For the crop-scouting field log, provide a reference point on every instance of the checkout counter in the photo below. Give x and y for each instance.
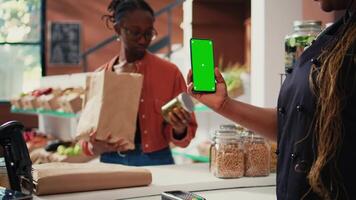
(189, 177)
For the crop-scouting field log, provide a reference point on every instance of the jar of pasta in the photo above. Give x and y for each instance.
(257, 155)
(227, 155)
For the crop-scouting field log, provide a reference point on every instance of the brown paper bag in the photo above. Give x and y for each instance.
(78, 177)
(111, 106)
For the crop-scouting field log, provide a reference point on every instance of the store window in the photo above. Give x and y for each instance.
(20, 46)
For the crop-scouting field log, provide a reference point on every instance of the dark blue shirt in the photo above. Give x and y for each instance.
(296, 109)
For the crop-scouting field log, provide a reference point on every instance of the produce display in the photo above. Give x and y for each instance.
(34, 140)
(50, 99)
(43, 149)
(53, 145)
(69, 151)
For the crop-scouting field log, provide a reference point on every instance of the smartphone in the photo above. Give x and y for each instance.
(202, 62)
(180, 195)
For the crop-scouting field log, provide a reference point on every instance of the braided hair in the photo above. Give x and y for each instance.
(119, 8)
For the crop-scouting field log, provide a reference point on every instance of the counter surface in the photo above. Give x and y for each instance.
(253, 193)
(190, 177)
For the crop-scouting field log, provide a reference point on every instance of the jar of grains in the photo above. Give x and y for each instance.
(257, 155)
(227, 155)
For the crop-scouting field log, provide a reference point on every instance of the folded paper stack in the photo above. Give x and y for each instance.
(79, 177)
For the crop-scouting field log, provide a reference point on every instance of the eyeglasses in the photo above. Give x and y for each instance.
(136, 35)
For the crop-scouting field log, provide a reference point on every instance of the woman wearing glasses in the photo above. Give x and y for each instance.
(133, 22)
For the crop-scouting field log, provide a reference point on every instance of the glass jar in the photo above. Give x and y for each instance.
(227, 155)
(303, 35)
(257, 155)
(273, 161)
(4, 180)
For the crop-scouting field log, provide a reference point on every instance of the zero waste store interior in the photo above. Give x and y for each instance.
(49, 48)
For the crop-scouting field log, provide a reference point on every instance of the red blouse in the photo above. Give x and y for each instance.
(162, 82)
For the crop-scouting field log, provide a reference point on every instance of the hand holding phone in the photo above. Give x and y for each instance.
(213, 100)
(202, 62)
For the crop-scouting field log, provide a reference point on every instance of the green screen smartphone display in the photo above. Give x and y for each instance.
(202, 58)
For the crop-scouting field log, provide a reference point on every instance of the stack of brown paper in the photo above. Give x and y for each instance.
(56, 178)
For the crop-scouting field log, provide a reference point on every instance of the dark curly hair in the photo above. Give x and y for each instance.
(119, 8)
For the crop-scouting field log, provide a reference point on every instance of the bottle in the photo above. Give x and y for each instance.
(304, 33)
(227, 155)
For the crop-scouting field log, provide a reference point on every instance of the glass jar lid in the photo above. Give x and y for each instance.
(226, 134)
(253, 137)
(302, 24)
(228, 127)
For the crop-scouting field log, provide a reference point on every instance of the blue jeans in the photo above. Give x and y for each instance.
(138, 158)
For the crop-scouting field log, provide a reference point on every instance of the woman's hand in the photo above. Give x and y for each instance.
(179, 119)
(98, 146)
(214, 100)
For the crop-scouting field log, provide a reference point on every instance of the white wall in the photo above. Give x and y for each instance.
(271, 20)
(187, 34)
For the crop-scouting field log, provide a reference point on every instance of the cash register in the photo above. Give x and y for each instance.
(17, 161)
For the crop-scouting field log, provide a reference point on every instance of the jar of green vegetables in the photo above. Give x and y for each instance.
(303, 35)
